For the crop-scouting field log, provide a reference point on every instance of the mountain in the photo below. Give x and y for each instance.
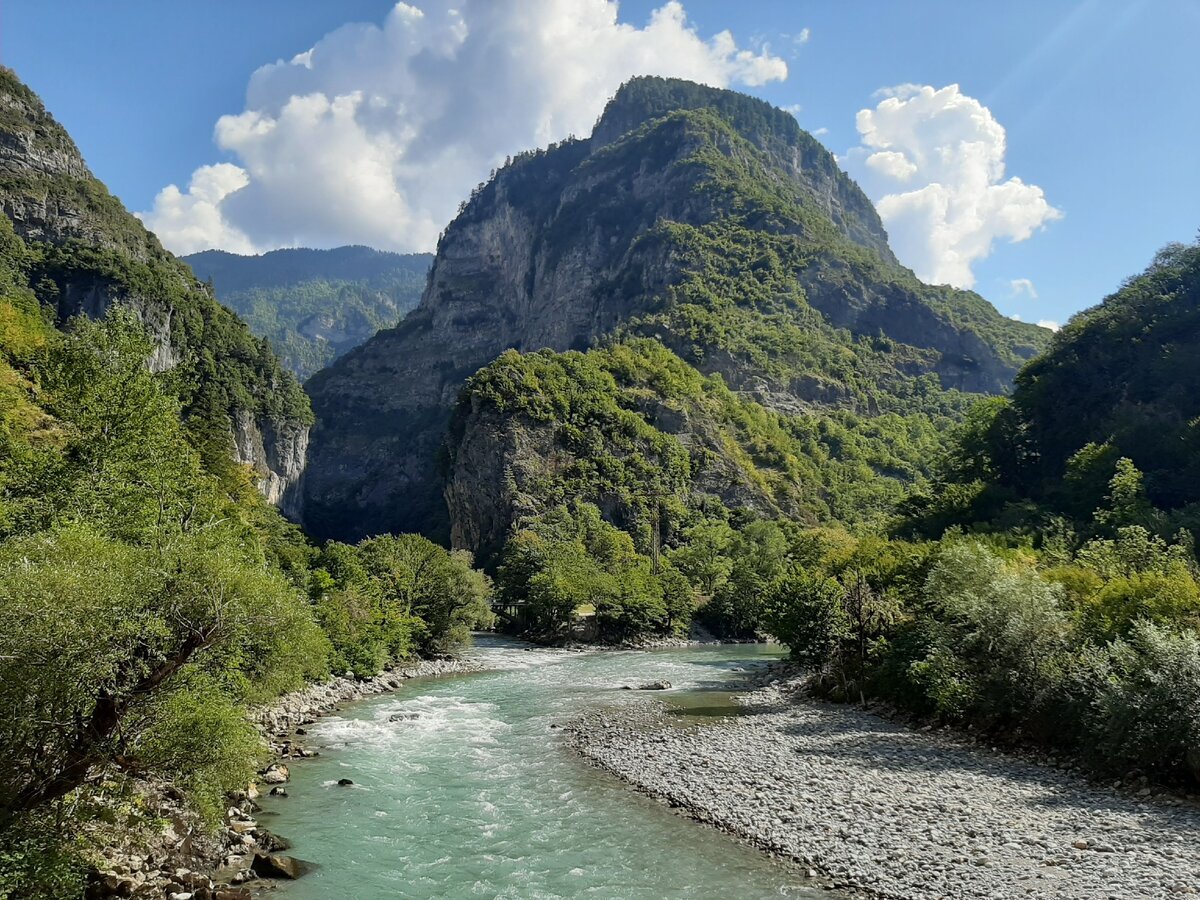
(707, 223)
(315, 305)
(81, 252)
(1120, 381)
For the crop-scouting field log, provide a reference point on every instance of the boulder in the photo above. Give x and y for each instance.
(655, 686)
(345, 782)
(275, 865)
(272, 843)
(276, 774)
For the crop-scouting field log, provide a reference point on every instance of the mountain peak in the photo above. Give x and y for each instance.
(769, 129)
(699, 218)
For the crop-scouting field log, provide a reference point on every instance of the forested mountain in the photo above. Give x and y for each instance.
(149, 593)
(81, 252)
(315, 305)
(747, 338)
(1119, 382)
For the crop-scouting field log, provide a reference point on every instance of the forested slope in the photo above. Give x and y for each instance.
(701, 219)
(315, 305)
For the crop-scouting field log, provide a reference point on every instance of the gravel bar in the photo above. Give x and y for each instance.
(892, 812)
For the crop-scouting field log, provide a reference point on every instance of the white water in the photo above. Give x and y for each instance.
(462, 789)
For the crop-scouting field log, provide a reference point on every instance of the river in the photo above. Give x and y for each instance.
(462, 789)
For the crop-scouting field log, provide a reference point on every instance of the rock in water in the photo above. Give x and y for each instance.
(272, 843)
(276, 774)
(275, 865)
(655, 686)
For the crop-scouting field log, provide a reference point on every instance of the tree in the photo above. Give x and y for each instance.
(439, 588)
(95, 635)
(704, 555)
(806, 612)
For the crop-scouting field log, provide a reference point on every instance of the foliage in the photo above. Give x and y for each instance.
(1100, 430)
(806, 613)
(393, 596)
(570, 560)
(1096, 654)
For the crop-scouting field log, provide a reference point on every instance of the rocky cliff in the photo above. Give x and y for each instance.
(701, 218)
(92, 254)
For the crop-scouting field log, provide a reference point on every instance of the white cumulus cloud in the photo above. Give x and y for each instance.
(1049, 323)
(376, 133)
(933, 162)
(193, 219)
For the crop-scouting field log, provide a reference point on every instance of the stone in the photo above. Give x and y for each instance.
(274, 865)
(655, 686)
(345, 782)
(278, 791)
(276, 774)
(271, 842)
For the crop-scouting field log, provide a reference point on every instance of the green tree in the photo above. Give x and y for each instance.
(806, 613)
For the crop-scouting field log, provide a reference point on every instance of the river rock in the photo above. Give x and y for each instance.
(655, 686)
(271, 842)
(276, 774)
(344, 782)
(275, 865)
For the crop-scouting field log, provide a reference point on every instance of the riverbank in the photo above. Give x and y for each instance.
(179, 857)
(461, 787)
(897, 813)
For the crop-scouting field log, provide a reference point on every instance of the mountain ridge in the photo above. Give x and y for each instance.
(681, 230)
(90, 254)
(315, 305)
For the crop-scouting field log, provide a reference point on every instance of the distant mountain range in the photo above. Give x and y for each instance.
(315, 305)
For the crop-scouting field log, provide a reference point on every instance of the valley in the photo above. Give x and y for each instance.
(388, 569)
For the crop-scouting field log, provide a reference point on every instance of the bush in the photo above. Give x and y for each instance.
(1147, 710)
(805, 612)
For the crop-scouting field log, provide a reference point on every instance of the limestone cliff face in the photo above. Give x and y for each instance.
(277, 450)
(498, 463)
(96, 255)
(567, 247)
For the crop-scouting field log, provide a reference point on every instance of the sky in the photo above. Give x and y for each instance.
(1037, 151)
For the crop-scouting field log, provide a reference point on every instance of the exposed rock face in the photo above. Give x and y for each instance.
(567, 246)
(97, 256)
(498, 461)
(277, 450)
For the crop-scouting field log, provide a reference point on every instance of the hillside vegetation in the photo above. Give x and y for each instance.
(706, 221)
(149, 593)
(313, 306)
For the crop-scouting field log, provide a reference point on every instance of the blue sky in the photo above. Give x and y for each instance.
(1097, 100)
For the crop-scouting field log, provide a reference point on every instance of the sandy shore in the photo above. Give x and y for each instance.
(898, 813)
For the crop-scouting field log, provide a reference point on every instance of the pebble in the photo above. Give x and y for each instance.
(899, 813)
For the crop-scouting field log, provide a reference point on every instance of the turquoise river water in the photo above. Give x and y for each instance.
(462, 789)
